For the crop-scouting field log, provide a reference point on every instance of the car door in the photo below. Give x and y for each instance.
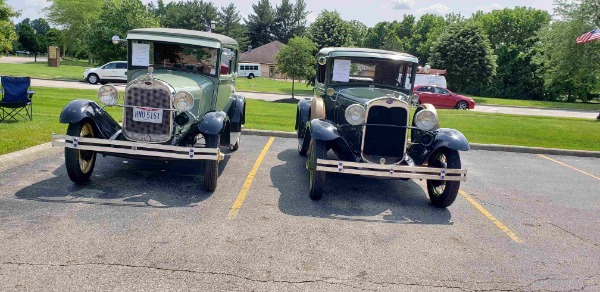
(121, 71)
(426, 94)
(109, 71)
(444, 97)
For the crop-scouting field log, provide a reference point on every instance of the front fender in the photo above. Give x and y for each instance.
(213, 123)
(302, 116)
(324, 130)
(80, 109)
(452, 139)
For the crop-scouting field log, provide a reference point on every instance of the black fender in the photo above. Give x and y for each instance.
(302, 116)
(237, 113)
(444, 138)
(80, 109)
(213, 123)
(324, 130)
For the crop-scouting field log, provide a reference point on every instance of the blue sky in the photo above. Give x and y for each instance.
(368, 12)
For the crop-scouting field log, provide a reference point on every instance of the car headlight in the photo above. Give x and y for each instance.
(108, 95)
(425, 120)
(355, 114)
(183, 101)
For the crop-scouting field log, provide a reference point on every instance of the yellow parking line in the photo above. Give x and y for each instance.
(571, 167)
(242, 195)
(491, 217)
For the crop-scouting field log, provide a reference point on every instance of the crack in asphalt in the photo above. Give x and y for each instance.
(571, 233)
(327, 280)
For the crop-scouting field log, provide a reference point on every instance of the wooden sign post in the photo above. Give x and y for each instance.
(54, 56)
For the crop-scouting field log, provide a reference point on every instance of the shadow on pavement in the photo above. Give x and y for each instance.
(128, 182)
(352, 197)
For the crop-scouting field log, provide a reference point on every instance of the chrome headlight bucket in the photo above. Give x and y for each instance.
(183, 101)
(355, 114)
(425, 120)
(108, 95)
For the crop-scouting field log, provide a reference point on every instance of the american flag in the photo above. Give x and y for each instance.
(589, 36)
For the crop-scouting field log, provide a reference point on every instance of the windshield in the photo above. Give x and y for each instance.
(175, 56)
(371, 71)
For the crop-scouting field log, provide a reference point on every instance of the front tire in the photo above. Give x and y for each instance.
(443, 193)
(93, 78)
(211, 167)
(80, 163)
(318, 150)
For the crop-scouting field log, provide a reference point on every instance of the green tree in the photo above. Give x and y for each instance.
(261, 24)
(116, 19)
(7, 31)
(77, 18)
(358, 32)
(464, 50)
(230, 25)
(569, 70)
(296, 59)
(426, 30)
(512, 33)
(283, 26)
(299, 15)
(194, 15)
(330, 30)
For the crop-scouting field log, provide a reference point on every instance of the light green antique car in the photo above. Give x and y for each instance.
(179, 103)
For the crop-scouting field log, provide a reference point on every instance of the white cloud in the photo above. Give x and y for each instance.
(489, 8)
(438, 9)
(310, 18)
(403, 4)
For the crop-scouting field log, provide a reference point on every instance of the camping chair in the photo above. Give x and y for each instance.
(16, 98)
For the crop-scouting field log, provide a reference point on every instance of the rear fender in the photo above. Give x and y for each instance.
(237, 113)
(302, 116)
(80, 109)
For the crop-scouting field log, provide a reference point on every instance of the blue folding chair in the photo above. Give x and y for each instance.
(16, 98)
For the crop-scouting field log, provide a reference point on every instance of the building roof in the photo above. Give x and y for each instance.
(264, 54)
(367, 53)
(183, 35)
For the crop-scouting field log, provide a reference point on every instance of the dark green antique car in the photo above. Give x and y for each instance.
(179, 103)
(361, 111)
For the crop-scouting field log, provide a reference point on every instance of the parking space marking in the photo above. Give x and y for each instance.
(571, 167)
(235, 208)
(491, 217)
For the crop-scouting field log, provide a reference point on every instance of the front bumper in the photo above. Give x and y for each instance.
(136, 148)
(392, 170)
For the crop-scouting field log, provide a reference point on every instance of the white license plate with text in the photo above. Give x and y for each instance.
(147, 114)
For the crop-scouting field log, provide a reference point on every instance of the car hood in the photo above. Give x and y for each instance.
(365, 94)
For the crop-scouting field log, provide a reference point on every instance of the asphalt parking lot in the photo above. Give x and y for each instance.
(523, 222)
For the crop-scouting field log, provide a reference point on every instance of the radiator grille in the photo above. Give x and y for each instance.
(381, 138)
(147, 94)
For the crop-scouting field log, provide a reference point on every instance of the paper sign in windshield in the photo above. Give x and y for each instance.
(140, 54)
(341, 70)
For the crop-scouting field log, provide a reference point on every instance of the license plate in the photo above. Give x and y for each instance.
(147, 114)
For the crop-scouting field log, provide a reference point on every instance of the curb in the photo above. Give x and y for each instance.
(474, 146)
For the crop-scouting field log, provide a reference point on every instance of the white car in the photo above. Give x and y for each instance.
(113, 71)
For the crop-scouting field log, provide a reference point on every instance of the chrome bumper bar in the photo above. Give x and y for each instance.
(391, 171)
(136, 148)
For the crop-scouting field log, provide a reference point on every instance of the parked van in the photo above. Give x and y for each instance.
(426, 79)
(249, 70)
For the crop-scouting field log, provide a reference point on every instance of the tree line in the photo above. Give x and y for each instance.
(522, 52)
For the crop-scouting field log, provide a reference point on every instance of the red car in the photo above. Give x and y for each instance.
(443, 98)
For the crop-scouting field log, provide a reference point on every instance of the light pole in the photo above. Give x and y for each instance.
(34, 45)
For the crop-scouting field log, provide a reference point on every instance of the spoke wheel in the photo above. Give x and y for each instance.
(317, 150)
(443, 193)
(80, 163)
(462, 105)
(211, 167)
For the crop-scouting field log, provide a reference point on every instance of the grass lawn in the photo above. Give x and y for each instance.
(565, 133)
(536, 103)
(272, 86)
(72, 70)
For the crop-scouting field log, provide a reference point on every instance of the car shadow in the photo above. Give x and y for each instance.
(128, 182)
(353, 197)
